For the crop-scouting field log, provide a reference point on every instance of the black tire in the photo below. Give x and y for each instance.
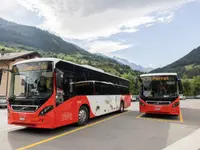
(121, 108)
(83, 116)
(148, 114)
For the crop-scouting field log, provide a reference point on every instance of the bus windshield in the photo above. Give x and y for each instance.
(32, 80)
(159, 86)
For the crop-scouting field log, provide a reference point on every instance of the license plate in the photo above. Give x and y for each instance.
(157, 108)
(21, 119)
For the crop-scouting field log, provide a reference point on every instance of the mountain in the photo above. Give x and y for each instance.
(188, 66)
(126, 62)
(132, 65)
(102, 55)
(15, 38)
(11, 32)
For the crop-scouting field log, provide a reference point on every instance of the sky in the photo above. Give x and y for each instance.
(147, 32)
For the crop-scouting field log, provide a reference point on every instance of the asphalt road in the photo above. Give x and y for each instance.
(130, 130)
(3, 122)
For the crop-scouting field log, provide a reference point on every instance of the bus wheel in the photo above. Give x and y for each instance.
(83, 115)
(121, 108)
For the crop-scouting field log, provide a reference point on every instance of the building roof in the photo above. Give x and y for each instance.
(158, 74)
(13, 56)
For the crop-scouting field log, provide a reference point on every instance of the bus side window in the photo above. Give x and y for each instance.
(98, 90)
(89, 89)
(124, 91)
(85, 89)
(112, 90)
(104, 89)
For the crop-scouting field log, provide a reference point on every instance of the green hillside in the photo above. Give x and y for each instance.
(11, 32)
(104, 63)
(15, 37)
(187, 66)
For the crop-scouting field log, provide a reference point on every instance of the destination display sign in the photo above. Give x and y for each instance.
(32, 66)
(158, 78)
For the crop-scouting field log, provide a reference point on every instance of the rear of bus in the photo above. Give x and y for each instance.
(159, 94)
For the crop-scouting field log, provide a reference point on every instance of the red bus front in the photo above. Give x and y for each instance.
(32, 95)
(160, 107)
(159, 95)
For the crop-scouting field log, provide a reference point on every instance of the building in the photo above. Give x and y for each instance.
(6, 62)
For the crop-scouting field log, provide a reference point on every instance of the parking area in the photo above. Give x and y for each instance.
(129, 130)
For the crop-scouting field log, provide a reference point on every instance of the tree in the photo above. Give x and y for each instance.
(134, 90)
(196, 85)
(187, 87)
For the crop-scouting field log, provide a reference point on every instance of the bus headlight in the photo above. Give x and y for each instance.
(46, 110)
(176, 104)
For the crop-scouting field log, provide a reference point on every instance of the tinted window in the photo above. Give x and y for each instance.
(110, 89)
(85, 89)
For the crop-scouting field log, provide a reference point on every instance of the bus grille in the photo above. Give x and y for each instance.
(24, 108)
(158, 102)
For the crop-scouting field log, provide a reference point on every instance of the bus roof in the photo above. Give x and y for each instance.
(55, 60)
(37, 60)
(158, 74)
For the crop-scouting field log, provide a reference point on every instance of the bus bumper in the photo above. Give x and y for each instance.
(160, 109)
(30, 120)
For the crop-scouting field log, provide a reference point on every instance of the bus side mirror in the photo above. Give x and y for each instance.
(59, 79)
(1, 73)
(180, 85)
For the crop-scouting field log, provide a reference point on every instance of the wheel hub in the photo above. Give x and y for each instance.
(82, 115)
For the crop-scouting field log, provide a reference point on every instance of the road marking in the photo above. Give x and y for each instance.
(140, 115)
(69, 132)
(190, 142)
(181, 116)
(159, 119)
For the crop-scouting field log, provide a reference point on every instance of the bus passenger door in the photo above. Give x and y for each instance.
(64, 102)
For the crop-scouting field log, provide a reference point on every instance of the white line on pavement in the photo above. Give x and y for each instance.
(10, 128)
(190, 142)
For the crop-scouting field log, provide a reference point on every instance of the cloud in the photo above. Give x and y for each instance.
(12, 10)
(150, 65)
(85, 19)
(106, 46)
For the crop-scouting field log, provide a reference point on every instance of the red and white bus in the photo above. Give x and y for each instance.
(160, 93)
(50, 92)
